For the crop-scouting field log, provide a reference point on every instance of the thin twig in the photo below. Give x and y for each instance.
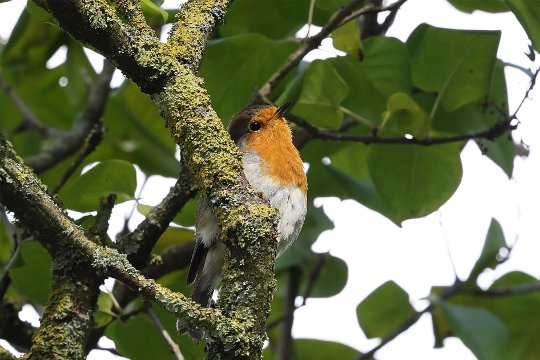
(496, 130)
(507, 290)
(370, 9)
(457, 288)
(451, 291)
(93, 139)
(312, 42)
(98, 230)
(172, 344)
(447, 243)
(532, 83)
(313, 276)
(140, 242)
(30, 120)
(68, 143)
(111, 350)
(284, 350)
(310, 17)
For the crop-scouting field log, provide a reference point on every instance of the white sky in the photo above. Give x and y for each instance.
(415, 256)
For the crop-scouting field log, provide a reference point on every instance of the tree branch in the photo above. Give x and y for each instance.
(23, 193)
(284, 351)
(496, 130)
(6, 355)
(506, 291)
(15, 331)
(173, 258)
(172, 344)
(67, 143)
(188, 37)
(131, 10)
(248, 224)
(29, 119)
(91, 142)
(344, 15)
(139, 243)
(370, 9)
(451, 291)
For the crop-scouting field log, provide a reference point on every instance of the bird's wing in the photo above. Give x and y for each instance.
(197, 261)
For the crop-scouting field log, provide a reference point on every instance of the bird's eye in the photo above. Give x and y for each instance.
(255, 126)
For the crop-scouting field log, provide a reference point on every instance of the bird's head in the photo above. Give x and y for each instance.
(260, 124)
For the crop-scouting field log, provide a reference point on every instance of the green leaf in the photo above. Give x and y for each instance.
(239, 57)
(493, 244)
(315, 350)
(331, 279)
(103, 314)
(492, 6)
(322, 350)
(108, 177)
(154, 345)
(481, 331)
(386, 64)
(275, 19)
(31, 277)
(411, 117)
(38, 12)
(519, 312)
(154, 15)
(347, 39)
(346, 176)
(479, 116)
(382, 311)
(528, 13)
(136, 133)
(173, 236)
(414, 180)
(363, 98)
(186, 216)
(78, 70)
(322, 92)
(31, 43)
(502, 151)
(464, 63)
(6, 241)
(384, 71)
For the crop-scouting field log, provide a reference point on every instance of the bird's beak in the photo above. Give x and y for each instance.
(281, 110)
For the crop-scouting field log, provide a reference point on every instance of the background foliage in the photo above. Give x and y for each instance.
(440, 83)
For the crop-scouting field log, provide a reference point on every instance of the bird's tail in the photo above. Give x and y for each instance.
(205, 280)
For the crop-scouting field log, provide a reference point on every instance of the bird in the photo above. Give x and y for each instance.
(273, 168)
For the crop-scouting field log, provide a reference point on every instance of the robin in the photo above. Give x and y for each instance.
(273, 167)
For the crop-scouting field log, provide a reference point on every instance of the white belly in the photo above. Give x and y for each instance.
(290, 201)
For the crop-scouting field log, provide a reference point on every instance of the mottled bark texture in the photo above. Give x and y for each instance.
(167, 72)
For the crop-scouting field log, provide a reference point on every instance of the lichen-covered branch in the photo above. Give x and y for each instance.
(131, 10)
(248, 222)
(22, 193)
(67, 319)
(6, 355)
(187, 37)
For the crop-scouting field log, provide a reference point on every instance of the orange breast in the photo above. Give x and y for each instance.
(274, 145)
